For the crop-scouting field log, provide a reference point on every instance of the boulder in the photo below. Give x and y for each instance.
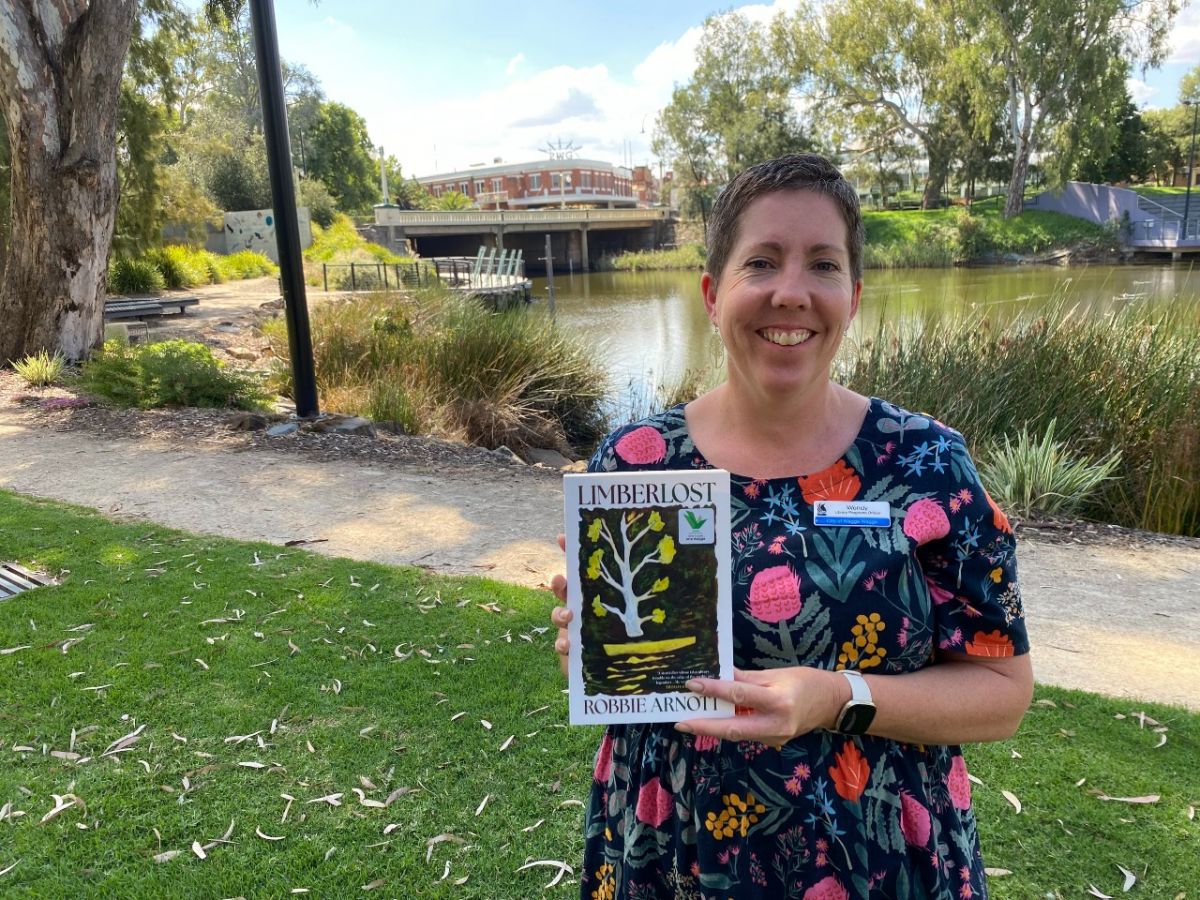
(551, 458)
(508, 455)
(283, 428)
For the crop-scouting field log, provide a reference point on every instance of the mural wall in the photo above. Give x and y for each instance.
(255, 230)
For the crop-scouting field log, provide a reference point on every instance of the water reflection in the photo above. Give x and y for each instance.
(650, 327)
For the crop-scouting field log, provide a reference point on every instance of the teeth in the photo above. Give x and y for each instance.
(786, 338)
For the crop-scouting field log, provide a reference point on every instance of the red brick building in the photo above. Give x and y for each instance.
(551, 182)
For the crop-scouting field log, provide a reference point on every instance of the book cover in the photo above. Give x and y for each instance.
(648, 582)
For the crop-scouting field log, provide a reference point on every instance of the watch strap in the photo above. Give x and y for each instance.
(858, 713)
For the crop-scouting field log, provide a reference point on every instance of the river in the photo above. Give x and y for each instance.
(650, 327)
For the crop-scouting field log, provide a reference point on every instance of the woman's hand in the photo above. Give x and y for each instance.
(773, 705)
(560, 616)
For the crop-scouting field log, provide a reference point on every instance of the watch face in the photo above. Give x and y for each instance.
(856, 718)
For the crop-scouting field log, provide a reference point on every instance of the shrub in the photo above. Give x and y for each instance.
(1031, 475)
(169, 373)
(246, 264)
(134, 276)
(341, 243)
(181, 267)
(437, 362)
(41, 368)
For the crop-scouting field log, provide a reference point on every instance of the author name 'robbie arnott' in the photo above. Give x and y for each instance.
(653, 703)
(644, 493)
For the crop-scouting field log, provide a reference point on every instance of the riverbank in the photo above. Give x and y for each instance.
(936, 238)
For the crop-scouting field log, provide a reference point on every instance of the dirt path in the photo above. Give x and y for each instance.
(1118, 620)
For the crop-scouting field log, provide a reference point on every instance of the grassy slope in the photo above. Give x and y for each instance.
(314, 653)
(921, 237)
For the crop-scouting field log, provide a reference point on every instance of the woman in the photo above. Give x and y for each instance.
(864, 655)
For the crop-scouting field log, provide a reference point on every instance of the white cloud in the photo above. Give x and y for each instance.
(1185, 39)
(610, 116)
(339, 28)
(1141, 92)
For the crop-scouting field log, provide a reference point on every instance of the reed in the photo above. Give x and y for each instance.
(1126, 383)
(686, 256)
(434, 362)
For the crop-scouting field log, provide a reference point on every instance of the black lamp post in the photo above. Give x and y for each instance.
(283, 201)
(1191, 171)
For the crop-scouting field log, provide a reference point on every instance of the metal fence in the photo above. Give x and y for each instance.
(489, 268)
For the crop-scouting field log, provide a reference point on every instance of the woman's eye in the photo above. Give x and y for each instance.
(758, 264)
(827, 265)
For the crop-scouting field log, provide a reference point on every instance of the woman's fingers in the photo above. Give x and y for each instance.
(742, 691)
(558, 584)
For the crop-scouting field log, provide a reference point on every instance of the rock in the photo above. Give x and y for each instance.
(508, 455)
(336, 423)
(551, 458)
(227, 327)
(283, 428)
(580, 465)
(237, 353)
(277, 303)
(355, 425)
(247, 421)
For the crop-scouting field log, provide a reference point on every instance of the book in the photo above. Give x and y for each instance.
(648, 581)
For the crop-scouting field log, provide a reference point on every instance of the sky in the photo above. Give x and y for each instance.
(447, 84)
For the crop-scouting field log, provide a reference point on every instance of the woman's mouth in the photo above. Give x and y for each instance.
(786, 337)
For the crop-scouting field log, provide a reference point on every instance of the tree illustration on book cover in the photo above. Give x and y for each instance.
(649, 615)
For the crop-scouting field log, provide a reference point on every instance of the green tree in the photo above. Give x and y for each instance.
(1063, 62)
(1165, 132)
(738, 109)
(1120, 152)
(900, 59)
(340, 154)
(60, 84)
(321, 205)
(5, 199)
(452, 200)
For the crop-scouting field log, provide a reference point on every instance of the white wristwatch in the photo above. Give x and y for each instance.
(858, 713)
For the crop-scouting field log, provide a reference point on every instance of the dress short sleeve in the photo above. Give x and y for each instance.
(971, 570)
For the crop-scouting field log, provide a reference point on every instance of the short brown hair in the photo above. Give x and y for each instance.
(801, 171)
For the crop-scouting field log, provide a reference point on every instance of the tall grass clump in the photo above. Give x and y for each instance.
(434, 362)
(687, 256)
(1128, 383)
(1031, 474)
(168, 373)
(246, 264)
(134, 276)
(182, 267)
(41, 368)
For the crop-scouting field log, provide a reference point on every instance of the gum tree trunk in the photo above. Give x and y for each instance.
(60, 75)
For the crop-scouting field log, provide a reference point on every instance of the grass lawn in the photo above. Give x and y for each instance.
(1151, 191)
(417, 724)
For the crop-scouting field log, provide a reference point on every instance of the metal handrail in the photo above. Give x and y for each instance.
(1165, 209)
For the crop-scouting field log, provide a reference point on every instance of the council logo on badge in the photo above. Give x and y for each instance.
(696, 526)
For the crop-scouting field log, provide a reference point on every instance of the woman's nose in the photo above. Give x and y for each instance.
(792, 289)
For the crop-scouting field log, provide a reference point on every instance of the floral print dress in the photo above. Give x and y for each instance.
(826, 816)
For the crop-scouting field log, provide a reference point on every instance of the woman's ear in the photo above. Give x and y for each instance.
(708, 287)
(854, 300)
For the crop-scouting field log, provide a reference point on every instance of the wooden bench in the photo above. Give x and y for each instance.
(127, 308)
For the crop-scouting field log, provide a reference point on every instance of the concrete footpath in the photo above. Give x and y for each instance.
(1108, 618)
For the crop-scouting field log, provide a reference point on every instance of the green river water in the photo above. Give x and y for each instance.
(650, 327)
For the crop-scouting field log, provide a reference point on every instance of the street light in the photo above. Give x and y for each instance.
(1191, 171)
(564, 178)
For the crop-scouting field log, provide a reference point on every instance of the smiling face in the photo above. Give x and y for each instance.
(785, 296)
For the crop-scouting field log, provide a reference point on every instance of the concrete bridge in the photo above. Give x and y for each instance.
(1152, 225)
(579, 237)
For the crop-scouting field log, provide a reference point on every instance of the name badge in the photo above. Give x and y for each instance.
(852, 513)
